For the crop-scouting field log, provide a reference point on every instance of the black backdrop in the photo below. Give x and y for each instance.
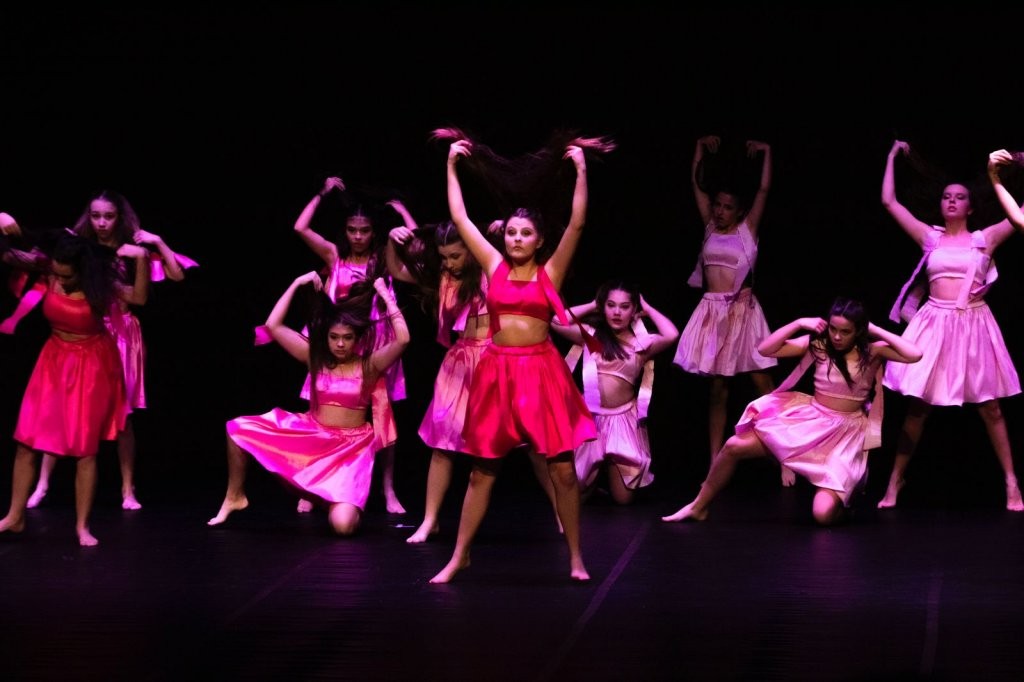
(219, 125)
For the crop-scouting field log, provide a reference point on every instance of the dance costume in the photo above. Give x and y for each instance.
(722, 334)
(332, 463)
(524, 394)
(442, 425)
(827, 447)
(622, 430)
(75, 397)
(965, 358)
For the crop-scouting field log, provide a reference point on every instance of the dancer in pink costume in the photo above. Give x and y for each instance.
(76, 395)
(356, 257)
(327, 453)
(111, 221)
(453, 285)
(618, 378)
(720, 339)
(522, 390)
(825, 437)
(965, 357)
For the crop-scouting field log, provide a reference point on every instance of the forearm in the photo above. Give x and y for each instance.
(774, 342)
(889, 181)
(172, 268)
(280, 310)
(306, 217)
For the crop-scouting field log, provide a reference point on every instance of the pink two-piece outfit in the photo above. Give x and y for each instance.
(827, 447)
(524, 394)
(965, 357)
(335, 464)
(622, 430)
(442, 425)
(75, 396)
(722, 334)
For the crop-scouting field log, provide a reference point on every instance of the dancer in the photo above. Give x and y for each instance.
(327, 453)
(355, 257)
(720, 339)
(110, 220)
(455, 289)
(522, 390)
(612, 385)
(825, 437)
(966, 360)
(76, 395)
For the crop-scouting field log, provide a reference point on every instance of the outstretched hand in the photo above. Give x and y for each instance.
(312, 277)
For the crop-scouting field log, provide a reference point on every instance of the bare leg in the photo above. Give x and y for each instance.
(25, 462)
(344, 518)
(234, 498)
(717, 403)
(910, 436)
(827, 507)
(85, 493)
(764, 385)
(620, 493)
(562, 471)
(995, 423)
(474, 507)
(439, 477)
(126, 457)
(43, 484)
(386, 457)
(736, 448)
(540, 469)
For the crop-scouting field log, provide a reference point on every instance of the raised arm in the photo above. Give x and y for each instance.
(779, 343)
(485, 253)
(710, 143)
(172, 268)
(893, 346)
(558, 264)
(996, 161)
(911, 225)
(386, 355)
(571, 331)
(137, 293)
(34, 260)
(292, 341)
(396, 268)
(324, 248)
(667, 333)
(757, 205)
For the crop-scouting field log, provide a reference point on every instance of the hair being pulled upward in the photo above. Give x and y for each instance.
(421, 258)
(95, 267)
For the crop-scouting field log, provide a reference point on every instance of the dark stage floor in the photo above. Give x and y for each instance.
(756, 592)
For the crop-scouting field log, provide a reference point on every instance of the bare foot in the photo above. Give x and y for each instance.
(304, 506)
(7, 524)
(87, 539)
(891, 493)
(788, 477)
(423, 533)
(687, 512)
(577, 571)
(226, 508)
(36, 497)
(449, 571)
(1013, 500)
(392, 504)
(129, 503)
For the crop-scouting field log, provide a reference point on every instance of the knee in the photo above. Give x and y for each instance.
(827, 507)
(990, 411)
(344, 519)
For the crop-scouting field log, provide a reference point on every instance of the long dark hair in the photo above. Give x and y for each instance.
(821, 345)
(611, 347)
(95, 267)
(352, 311)
(421, 259)
(126, 225)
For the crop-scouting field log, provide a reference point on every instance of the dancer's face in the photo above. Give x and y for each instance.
(521, 239)
(103, 217)
(841, 333)
(956, 202)
(619, 310)
(359, 233)
(453, 258)
(66, 276)
(341, 339)
(725, 211)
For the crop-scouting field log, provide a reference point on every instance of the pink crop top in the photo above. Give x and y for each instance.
(724, 250)
(338, 391)
(71, 315)
(451, 317)
(829, 381)
(533, 299)
(955, 261)
(627, 369)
